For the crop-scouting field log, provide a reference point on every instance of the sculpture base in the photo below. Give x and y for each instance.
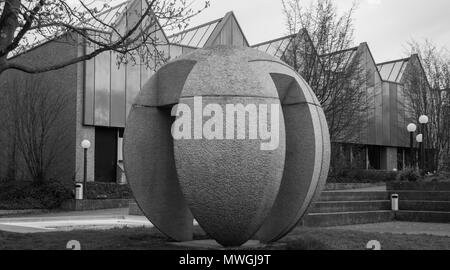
(213, 245)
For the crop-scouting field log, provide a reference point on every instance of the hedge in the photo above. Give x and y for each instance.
(363, 176)
(98, 190)
(16, 195)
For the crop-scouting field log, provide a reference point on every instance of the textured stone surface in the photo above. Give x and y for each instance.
(230, 185)
(301, 172)
(235, 190)
(150, 169)
(308, 150)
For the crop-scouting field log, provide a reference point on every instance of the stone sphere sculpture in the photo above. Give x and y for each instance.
(235, 180)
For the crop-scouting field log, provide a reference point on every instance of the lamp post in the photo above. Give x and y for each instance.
(411, 129)
(423, 120)
(85, 144)
(419, 139)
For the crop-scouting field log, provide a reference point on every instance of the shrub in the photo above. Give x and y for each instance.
(97, 190)
(410, 175)
(30, 195)
(363, 176)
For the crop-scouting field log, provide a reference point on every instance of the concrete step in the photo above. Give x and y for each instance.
(423, 195)
(346, 218)
(418, 186)
(433, 206)
(350, 206)
(333, 196)
(423, 216)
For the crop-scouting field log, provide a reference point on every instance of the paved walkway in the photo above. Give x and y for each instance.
(439, 229)
(65, 221)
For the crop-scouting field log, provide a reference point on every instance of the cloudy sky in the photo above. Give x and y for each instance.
(386, 25)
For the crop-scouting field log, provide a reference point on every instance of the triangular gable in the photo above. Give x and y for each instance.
(195, 37)
(340, 60)
(227, 32)
(128, 14)
(369, 64)
(416, 62)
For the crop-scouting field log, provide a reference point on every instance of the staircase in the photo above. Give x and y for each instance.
(337, 208)
(424, 206)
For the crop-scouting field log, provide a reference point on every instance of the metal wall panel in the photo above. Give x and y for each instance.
(378, 114)
(160, 37)
(371, 122)
(89, 89)
(102, 89)
(386, 120)
(133, 82)
(225, 37)
(133, 16)
(227, 33)
(175, 51)
(164, 51)
(393, 114)
(403, 136)
(146, 72)
(238, 37)
(118, 86)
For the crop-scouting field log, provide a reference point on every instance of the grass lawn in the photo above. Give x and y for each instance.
(151, 239)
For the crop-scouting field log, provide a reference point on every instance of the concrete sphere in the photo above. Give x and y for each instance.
(230, 185)
(234, 188)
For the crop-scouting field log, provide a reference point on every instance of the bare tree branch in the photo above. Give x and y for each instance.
(129, 29)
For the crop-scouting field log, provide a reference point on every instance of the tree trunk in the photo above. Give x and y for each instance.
(8, 24)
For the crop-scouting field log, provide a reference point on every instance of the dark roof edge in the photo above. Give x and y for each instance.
(394, 61)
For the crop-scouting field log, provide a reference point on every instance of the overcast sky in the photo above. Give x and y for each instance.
(386, 25)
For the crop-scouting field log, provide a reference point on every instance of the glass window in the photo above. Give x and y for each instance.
(283, 47)
(400, 75)
(198, 36)
(272, 49)
(207, 34)
(187, 37)
(395, 71)
(189, 41)
(386, 71)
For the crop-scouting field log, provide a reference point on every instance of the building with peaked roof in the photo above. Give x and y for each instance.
(101, 93)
